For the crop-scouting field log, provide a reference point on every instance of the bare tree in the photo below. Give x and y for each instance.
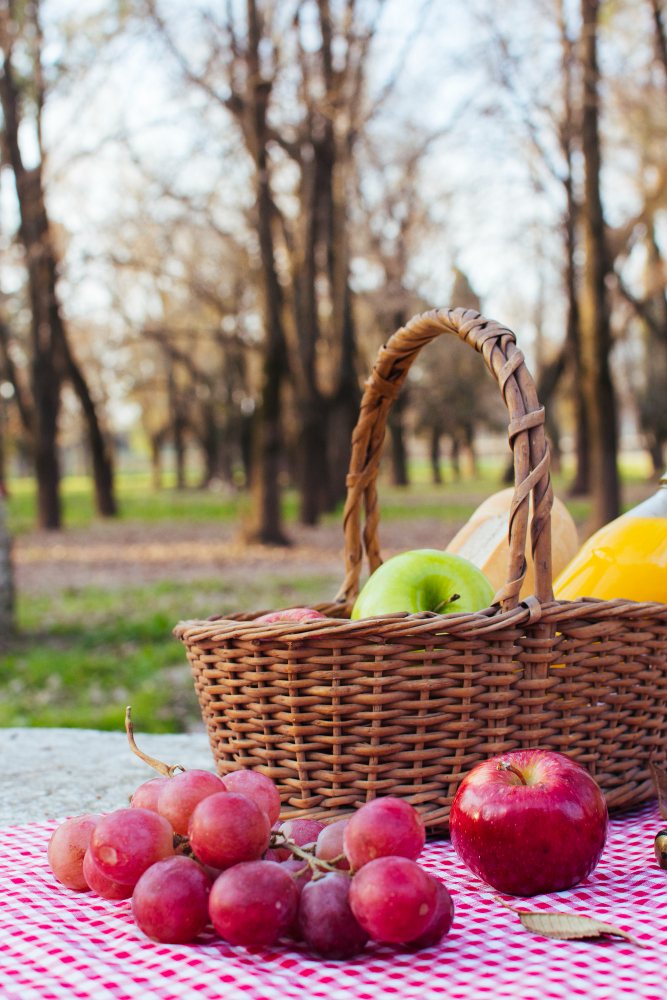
(549, 107)
(52, 357)
(596, 339)
(302, 106)
(570, 357)
(644, 107)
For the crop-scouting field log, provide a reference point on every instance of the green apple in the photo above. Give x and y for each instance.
(424, 580)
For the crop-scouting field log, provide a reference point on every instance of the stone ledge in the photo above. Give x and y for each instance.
(53, 773)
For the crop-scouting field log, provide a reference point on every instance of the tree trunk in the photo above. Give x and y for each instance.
(210, 445)
(23, 401)
(46, 384)
(6, 577)
(656, 452)
(571, 355)
(399, 465)
(178, 432)
(267, 445)
(399, 458)
(3, 471)
(99, 449)
(52, 358)
(156, 461)
(595, 325)
(552, 432)
(435, 455)
(472, 454)
(311, 405)
(178, 424)
(581, 483)
(343, 416)
(348, 396)
(456, 457)
(266, 455)
(312, 465)
(580, 486)
(35, 237)
(246, 447)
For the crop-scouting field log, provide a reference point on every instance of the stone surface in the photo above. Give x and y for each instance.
(53, 773)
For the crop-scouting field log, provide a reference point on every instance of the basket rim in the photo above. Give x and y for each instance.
(492, 619)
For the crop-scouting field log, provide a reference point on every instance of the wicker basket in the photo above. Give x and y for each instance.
(405, 705)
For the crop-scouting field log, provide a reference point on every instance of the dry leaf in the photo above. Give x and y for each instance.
(659, 776)
(660, 848)
(566, 926)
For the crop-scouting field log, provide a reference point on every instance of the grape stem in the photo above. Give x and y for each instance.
(164, 769)
(317, 865)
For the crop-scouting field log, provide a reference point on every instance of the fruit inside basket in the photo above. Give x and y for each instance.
(338, 712)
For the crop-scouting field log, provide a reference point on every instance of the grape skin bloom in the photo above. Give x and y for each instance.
(254, 903)
(170, 900)
(67, 847)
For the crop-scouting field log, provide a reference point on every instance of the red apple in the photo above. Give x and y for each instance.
(289, 615)
(528, 822)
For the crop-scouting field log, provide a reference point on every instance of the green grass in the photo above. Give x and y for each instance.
(454, 500)
(82, 655)
(136, 500)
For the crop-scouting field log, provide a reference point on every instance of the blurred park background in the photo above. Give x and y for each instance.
(212, 214)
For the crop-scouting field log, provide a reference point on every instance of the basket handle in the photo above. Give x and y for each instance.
(526, 437)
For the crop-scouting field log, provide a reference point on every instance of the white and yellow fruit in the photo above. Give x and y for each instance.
(484, 542)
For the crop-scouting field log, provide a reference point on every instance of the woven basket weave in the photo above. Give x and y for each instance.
(340, 712)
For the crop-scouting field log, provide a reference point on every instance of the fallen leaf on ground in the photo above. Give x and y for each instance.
(566, 926)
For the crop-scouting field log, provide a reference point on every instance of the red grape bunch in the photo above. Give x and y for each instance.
(194, 849)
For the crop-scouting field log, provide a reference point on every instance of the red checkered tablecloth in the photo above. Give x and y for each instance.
(55, 943)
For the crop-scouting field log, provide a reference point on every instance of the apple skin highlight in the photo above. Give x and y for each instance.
(526, 839)
(424, 580)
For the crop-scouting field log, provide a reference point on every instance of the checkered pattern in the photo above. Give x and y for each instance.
(56, 944)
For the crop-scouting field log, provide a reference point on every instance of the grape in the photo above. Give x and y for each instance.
(127, 842)
(293, 865)
(257, 787)
(180, 795)
(441, 920)
(170, 900)
(102, 885)
(393, 899)
(185, 850)
(212, 872)
(253, 904)
(146, 795)
(269, 855)
(67, 847)
(228, 828)
(326, 920)
(384, 827)
(330, 844)
(301, 831)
